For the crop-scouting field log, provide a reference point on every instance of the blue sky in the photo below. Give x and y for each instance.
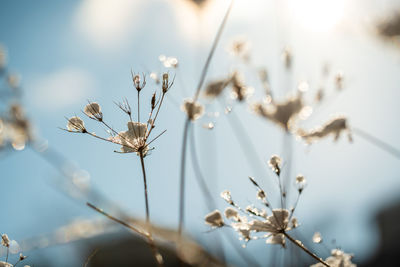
(71, 51)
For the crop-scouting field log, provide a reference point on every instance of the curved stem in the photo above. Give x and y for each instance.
(377, 142)
(305, 249)
(146, 235)
(182, 177)
(211, 53)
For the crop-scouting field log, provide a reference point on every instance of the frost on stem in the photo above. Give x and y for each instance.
(194, 110)
(5, 264)
(333, 127)
(338, 258)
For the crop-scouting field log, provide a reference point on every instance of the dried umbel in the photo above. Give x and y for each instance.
(235, 80)
(338, 258)
(282, 113)
(5, 264)
(333, 127)
(253, 223)
(15, 128)
(136, 138)
(194, 110)
(301, 182)
(275, 164)
(93, 110)
(76, 124)
(5, 241)
(214, 219)
(215, 88)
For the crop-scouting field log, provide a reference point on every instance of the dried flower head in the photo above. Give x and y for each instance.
(226, 195)
(194, 110)
(287, 58)
(300, 182)
(239, 90)
(5, 241)
(215, 88)
(76, 124)
(137, 81)
(5, 264)
(214, 219)
(338, 258)
(231, 213)
(22, 257)
(134, 139)
(166, 85)
(93, 111)
(333, 127)
(275, 164)
(283, 113)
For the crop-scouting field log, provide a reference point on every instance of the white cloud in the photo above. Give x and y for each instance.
(107, 22)
(61, 89)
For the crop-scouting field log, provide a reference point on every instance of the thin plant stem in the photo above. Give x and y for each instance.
(281, 191)
(211, 53)
(155, 116)
(210, 200)
(295, 205)
(146, 235)
(8, 250)
(138, 105)
(245, 143)
(146, 198)
(305, 249)
(187, 121)
(90, 257)
(182, 177)
(377, 142)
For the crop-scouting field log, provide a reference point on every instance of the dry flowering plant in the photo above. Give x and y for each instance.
(12, 247)
(134, 140)
(268, 223)
(15, 128)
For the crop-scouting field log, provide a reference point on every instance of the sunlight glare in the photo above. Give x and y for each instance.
(317, 15)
